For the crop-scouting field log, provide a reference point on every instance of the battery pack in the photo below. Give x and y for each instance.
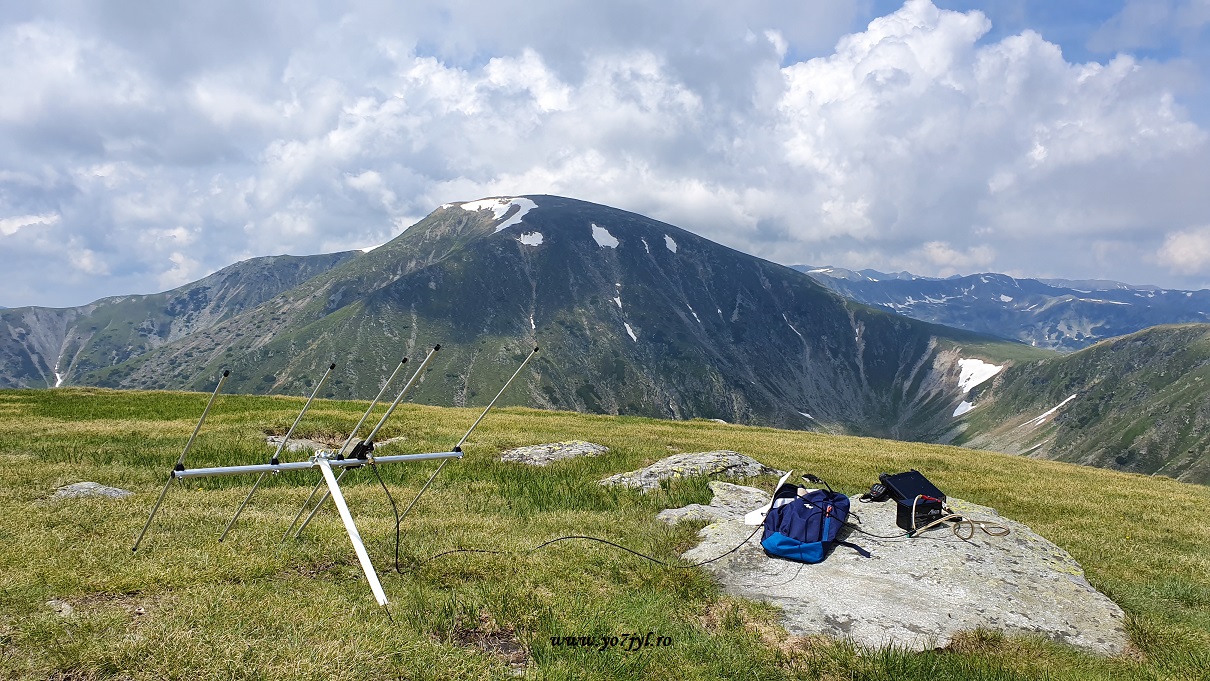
(927, 510)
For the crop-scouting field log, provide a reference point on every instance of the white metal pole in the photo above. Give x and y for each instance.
(366, 566)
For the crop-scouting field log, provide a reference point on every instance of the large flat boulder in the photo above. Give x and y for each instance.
(725, 463)
(546, 454)
(917, 593)
(80, 490)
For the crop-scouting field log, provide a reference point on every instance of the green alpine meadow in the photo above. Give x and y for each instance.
(469, 595)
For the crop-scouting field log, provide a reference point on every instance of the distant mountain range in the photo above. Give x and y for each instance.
(1057, 314)
(635, 316)
(47, 347)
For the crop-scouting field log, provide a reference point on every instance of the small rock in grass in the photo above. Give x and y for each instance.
(544, 455)
(61, 608)
(722, 462)
(305, 445)
(89, 489)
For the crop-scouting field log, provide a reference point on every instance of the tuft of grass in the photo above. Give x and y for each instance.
(186, 606)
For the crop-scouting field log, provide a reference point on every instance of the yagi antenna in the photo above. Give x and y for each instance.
(326, 461)
(361, 451)
(281, 445)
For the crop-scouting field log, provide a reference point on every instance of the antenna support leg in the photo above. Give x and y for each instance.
(354, 536)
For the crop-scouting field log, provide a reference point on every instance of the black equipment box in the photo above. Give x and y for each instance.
(907, 486)
(913, 489)
(927, 510)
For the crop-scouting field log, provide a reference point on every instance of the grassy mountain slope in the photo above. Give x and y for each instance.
(1136, 403)
(188, 607)
(45, 347)
(634, 317)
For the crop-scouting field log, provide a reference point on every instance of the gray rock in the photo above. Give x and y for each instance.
(78, 490)
(918, 593)
(544, 455)
(298, 444)
(730, 502)
(61, 608)
(308, 446)
(722, 462)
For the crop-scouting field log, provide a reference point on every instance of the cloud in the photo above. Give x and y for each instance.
(170, 144)
(1187, 252)
(10, 226)
(946, 260)
(184, 270)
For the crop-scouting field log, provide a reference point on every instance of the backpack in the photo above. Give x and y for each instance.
(803, 528)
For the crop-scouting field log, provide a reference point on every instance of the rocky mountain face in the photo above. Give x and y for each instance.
(1137, 403)
(1056, 314)
(46, 347)
(633, 316)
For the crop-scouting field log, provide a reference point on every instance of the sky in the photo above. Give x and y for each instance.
(146, 145)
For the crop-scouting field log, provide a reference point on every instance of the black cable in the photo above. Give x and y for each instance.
(586, 538)
(856, 528)
(398, 522)
(394, 509)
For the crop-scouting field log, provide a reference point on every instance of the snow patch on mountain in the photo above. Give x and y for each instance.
(603, 238)
(670, 243)
(531, 238)
(500, 207)
(1038, 421)
(631, 332)
(618, 300)
(699, 320)
(1005, 299)
(645, 246)
(783, 316)
(963, 408)
(974, 372)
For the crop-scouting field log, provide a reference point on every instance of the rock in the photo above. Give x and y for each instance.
(305, 445)
(722, 462)
(730, 502)
(543, 455)
(61, 608)
(918, 593)
(89, 489)
(298, 444)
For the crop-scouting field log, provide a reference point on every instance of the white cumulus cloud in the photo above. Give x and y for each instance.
(1188, 251)
(923, 140)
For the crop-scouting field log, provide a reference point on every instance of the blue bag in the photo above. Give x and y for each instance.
(803, 528)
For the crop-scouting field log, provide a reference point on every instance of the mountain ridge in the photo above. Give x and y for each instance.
(35, 340)
(1057, 314)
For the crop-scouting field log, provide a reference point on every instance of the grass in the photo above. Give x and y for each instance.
(186, 606)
